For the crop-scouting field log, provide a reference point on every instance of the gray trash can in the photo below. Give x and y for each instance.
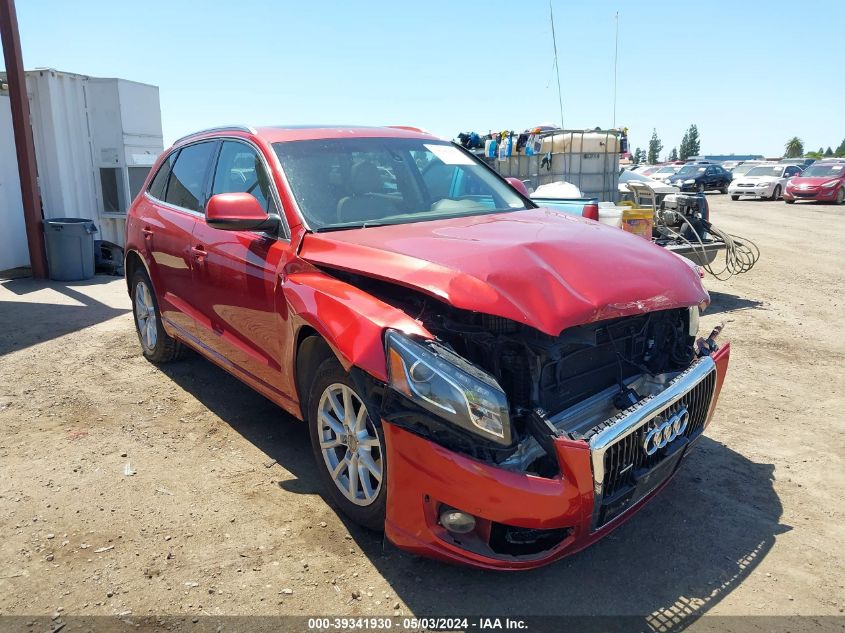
(70, 248)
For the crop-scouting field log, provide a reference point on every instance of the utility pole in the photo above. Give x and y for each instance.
(24, 145)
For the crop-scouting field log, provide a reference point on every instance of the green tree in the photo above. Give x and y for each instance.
(691, 143)
(639, 156)
(693, 140)
(828, 152)
(673, 155)
(684, 154)
(814, 155)
(654, 148)
(840, 151)
(794, 147)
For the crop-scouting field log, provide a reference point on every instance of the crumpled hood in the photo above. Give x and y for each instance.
(545, 269)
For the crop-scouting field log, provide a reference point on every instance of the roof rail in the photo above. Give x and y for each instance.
(221, 128)
(409, 128)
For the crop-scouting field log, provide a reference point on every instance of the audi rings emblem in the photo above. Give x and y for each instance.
(666, 431)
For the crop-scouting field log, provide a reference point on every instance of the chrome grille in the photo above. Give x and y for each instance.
(623, 459)
(623, 471)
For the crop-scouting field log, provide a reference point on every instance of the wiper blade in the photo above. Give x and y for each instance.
(344, 227)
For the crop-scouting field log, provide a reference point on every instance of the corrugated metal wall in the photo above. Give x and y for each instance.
(14, 251)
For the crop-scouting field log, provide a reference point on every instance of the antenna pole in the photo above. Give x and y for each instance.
(615, 63)
(557, 68)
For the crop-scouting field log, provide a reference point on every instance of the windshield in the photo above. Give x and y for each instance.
(824, 171)
(354, 182)
(692, 170)
(765, 170)
(666, 170)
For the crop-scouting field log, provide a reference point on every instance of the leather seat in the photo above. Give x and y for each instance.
(368, 200)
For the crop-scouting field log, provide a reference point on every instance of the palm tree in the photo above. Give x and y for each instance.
(794, 147)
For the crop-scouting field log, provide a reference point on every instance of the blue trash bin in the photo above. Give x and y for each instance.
(70, 248)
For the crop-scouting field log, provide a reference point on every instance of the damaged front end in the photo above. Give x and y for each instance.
(597, 417)
(500, 391)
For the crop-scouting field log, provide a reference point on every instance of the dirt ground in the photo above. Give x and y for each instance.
(125, 487)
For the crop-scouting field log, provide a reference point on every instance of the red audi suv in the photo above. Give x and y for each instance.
(487, 381)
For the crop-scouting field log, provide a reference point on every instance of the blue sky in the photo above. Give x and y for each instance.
(749, 74)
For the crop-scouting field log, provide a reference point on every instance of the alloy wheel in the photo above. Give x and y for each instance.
(349, 444)
(145, 316)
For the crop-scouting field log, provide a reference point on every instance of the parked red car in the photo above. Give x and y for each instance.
(490, 382)
(823, 181)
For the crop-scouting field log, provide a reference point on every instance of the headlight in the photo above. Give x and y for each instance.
(689, 181)
(448, 386)
(762, 184)
(830, 184)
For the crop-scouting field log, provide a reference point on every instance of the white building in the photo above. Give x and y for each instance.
(95, 140)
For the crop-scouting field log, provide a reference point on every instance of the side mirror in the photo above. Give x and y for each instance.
(517, 184)
(238, 212)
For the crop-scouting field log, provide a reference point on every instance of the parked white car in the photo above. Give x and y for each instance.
(664, 172)
(763, 181)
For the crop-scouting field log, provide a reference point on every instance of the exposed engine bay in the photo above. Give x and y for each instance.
(613, 363)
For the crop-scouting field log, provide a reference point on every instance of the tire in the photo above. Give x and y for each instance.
(734, 197)
(366, 447)
(789, 201)
(156, 344)
(840, 196)
(724, 188)
(776, 193)
(700, 188)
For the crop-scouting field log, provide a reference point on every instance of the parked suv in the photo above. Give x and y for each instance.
(478, 377)
(701, 177)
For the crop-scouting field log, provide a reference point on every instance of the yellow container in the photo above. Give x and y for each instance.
(638, 221)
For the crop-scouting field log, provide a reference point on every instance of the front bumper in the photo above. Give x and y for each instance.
(812, 193)
(756, 192)
(422, 476)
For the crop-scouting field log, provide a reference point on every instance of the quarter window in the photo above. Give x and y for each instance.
(239, 169)
(159, 183)
(185, 188)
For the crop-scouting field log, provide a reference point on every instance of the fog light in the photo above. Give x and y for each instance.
(457, 521)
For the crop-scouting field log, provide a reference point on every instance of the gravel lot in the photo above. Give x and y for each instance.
(223, 515)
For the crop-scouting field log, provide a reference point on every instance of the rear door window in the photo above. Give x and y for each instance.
(185, 187)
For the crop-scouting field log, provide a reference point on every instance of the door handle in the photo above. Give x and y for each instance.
(198, 253)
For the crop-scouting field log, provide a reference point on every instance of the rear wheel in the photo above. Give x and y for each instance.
(348, 446)
(724, 188)
(776, 193)
(155, 342)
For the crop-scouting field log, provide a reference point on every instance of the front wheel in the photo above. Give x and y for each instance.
(840, 196)
(776, 193)
(788, 201)
(700, 188)
(156, 344)
(734, 197)
(348, 446)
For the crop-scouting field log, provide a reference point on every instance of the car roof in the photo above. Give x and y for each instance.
(286, 133)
